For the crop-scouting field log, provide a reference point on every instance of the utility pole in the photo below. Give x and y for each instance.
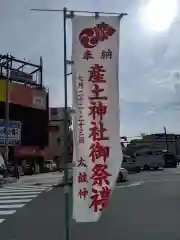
(41, 70)
(66, 189)
(66, 114)
(176, 145)
(165, 134)
(6, 120)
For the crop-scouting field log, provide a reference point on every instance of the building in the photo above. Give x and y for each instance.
(56, 136)
(158, 141)
(28, 105)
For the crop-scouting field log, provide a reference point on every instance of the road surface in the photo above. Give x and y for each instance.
(146, 207)
(19, 193)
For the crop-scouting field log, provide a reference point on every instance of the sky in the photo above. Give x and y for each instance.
(149, 68)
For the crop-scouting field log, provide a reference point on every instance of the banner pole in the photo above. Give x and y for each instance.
(66, 186)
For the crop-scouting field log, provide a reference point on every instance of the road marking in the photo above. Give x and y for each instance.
(49, 189)
(15, 201)
(16, 197)
(135, 184)
(12, 206)
(43, 185)
(26, 188)
(131, 185)
(8, 212)
(18, 193)
(38, 185)
(18, 190)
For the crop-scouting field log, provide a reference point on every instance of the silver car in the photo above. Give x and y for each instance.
(130, 164)
(122, 176)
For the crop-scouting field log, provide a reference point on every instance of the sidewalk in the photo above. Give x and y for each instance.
(7, 180)
(41, 178)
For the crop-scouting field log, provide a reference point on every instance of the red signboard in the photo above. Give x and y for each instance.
(24, 95)
(29, 151)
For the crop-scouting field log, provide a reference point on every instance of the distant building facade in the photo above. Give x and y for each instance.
(56, 136)
(159, 141)
(28, 105)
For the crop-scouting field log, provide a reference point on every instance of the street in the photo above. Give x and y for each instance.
(19, 193)
(89, 120)
(145, 207)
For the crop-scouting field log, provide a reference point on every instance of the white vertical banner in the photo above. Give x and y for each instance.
(97, 149)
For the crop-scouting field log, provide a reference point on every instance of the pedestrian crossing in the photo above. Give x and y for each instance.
(16, 196)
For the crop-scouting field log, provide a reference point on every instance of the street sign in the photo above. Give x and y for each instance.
(14, 132)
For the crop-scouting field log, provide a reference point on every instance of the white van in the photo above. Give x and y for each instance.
(150, 159)
(2, 162)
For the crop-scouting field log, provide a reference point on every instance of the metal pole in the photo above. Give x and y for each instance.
(41, 70)
(7, 115)
(176, 145)
(65, 153)
(76, 11)
(66, 186)
(165, 133)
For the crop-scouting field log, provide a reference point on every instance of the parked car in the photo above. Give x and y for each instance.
(28, 170)
(3, 168)
(178, 158)
(50, 165)
(10, 168)
(130, 164)
(170, 159)
(122, 176)
(1, 178)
